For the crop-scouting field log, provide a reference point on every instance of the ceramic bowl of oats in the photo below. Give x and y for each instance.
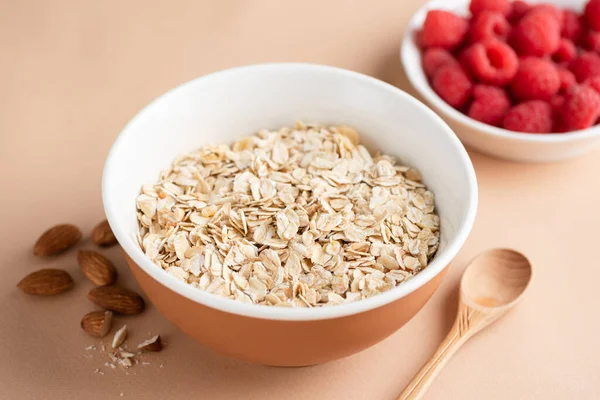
(289, 214)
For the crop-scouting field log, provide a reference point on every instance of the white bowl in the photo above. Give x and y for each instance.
(224, 106)
(497, 142)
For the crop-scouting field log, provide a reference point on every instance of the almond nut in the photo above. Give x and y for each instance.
(56, 240)
(153, 344)
(97, 323)
(97, 268)
(46, 282)
(117, 299)
(102, 235)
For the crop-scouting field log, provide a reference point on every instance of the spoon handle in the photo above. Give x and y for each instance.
(424, 378)
(468, 322)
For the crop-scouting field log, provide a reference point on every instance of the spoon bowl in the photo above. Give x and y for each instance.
(493, 283)
(496, 278)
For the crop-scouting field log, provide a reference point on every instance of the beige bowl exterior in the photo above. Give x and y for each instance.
(283, 343)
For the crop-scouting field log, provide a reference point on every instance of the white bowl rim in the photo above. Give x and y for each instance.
(283, 313)
(425, 90)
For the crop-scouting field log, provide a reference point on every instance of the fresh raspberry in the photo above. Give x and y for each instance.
(585, 65)
(489, 105)
(592, 14)
(491, 61)
(536, 79)
(434, 58)
(593, 82)
(571, 26)
(443, 29)
(591, 41)
(556, 12)
(488, 25)
(536, 34)
(567, 79)
(453, 85)
(518, 11)
(462, 56)
(499, 6)
(556, 102)
(581, 108)
(566, 51)
(559, 125)
(531, 116)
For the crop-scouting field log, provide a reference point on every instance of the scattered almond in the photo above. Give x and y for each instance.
(117, 299)
(102, 235)
(46, 282)
(56, 240)
(153, 344)
(119, 337)
(97, 268)
(97, 323)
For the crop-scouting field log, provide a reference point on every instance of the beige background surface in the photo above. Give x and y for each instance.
(71, 75)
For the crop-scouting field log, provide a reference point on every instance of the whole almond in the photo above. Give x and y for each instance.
(97, 323)
(56, 240)
(117, 299)
(97, 268)
(102, 235)
(46, 282)
(153, 344)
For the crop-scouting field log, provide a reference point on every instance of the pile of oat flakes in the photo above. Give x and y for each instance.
(298, 217)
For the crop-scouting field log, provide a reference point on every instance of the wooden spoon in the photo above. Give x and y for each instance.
(492, 284)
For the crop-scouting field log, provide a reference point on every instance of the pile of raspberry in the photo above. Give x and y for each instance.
(522, 67)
